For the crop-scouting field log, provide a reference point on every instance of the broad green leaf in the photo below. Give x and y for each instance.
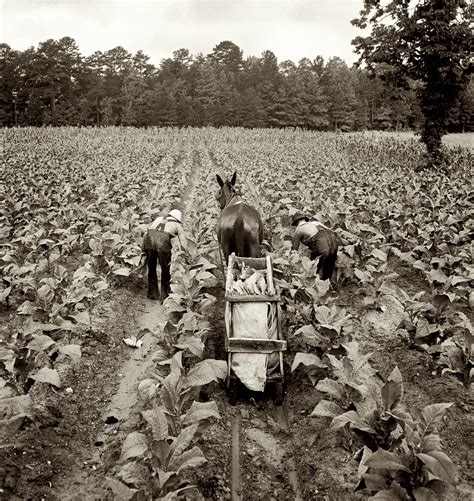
(46, 375)
(331, 387)
(168, 394)
(425, 329)
(366, 452)
(336, 364)
(388, 495)
(5, 293)
(82, 317)
(437, 276)
(188, 459)
(45, 294)
(40, 342)
(124, 272)
(326, 408)
(134, 473)
(160, 450)
(13, 411)
(440, 300)
(379, 255)
(134, 446)
(331, 331)
(457, 279)
(392, 390)
(386, 460)
(200, 411)
(431, 443)
(465, 323)
(424, 494)
(307, 330)
(320, 287)
(164, 476)
(205, 264)
(156, 418)
(83, 273)
(161, 355)
(46, 242)
(147, 387)
(431, 417)
(174, 495)
(323, 315)
(120, 490)
(440, 465)
(61, 324)
(182, 442)
(133, 261)
(193, 344)
(26, 308)
(363, 276)
(361, 367)
(206, 371)
(375, 482)
(309, 360)
(8, 427)
(351, 418)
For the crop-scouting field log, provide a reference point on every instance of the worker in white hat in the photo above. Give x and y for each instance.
(158, 246)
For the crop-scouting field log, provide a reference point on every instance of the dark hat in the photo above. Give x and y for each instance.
(298, 216)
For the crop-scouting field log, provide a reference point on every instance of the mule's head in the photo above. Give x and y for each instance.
(226, 191)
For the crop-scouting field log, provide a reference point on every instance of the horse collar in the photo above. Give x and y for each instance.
(234, 203)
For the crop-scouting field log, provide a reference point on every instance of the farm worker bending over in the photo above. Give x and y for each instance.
(157, 246)
(321, 241)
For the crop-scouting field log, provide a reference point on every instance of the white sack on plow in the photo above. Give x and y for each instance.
(250, 320)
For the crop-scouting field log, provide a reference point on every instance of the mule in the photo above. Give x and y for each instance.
(240, 227)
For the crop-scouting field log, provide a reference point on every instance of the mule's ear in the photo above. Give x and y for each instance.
(234, 177)
(219, 180)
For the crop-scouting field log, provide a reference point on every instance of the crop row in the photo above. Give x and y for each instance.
(386, 217)
(74, 205)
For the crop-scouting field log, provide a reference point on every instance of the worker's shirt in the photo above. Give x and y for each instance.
(304, 232)
(170, 226)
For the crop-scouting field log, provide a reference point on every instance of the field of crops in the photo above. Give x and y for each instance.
(379, 366)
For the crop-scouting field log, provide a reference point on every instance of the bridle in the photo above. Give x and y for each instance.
(227, 199)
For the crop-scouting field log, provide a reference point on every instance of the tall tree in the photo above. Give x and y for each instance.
(424, 42)
(50, 74)
(228, 55)
(339, 86)
(9, 84)
(269, 86)
(316, 102)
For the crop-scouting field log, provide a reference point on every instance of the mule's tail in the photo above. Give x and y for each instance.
(239, 237)
(328, 264)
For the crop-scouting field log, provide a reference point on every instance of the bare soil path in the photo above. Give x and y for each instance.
(88, 480)
(59, 457)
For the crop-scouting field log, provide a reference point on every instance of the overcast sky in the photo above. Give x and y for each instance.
(292, 29)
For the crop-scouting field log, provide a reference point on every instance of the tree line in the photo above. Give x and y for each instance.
(53, 84)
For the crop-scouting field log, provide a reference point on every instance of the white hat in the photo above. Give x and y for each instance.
(175, 214)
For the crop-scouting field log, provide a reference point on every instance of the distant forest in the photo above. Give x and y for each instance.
(54, 84)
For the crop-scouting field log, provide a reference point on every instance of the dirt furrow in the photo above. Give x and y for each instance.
(88, 479)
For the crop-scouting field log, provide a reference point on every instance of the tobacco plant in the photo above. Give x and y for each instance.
(351, 379)
(416, 469)
(159, 459)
